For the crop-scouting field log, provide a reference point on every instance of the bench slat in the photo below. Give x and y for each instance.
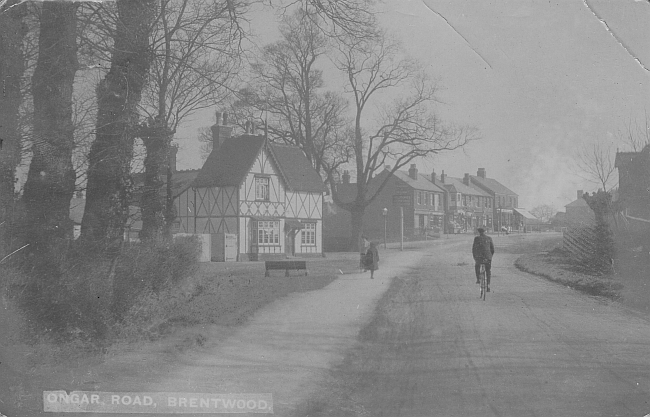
(286, 265)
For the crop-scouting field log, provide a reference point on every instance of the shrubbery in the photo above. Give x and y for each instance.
(77, 296)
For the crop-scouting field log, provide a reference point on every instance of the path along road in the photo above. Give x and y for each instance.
(533, 348)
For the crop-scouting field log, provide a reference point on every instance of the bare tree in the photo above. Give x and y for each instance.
(118, 96)
(12, 67)
(407, 128)
(544, 212)
(51, 178)
(595, 163)
(287, 93)
(636, 135)
(195, 50)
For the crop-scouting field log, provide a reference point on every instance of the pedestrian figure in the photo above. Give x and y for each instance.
(372, 259)
(365, 244)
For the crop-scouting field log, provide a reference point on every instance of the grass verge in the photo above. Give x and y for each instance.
(557, 266)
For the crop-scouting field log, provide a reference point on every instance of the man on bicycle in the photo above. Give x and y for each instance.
(482, 250)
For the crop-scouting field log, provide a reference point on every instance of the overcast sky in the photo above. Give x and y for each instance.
(537, 78)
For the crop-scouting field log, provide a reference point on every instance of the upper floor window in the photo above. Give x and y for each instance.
(419, 197)
(262, 188)
(428, 195)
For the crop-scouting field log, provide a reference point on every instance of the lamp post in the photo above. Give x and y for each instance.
(385, 212)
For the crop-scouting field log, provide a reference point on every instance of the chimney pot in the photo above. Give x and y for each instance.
(433, 176)
(442, 176)
(580, 194)
(481, 173)
(220, 132)
(413, 172)
(466, 179)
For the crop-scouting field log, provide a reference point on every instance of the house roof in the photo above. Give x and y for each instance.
(229, 164)
(460, 187)
(580, 202)
(492, 185)
(525, 214)
(421, 183)
(296, 169)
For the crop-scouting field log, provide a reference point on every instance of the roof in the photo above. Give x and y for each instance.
(228, 165)
(295, 168)
(580, 202)
(421, 183)
(492, 185)
(460, 187)
(525, 214)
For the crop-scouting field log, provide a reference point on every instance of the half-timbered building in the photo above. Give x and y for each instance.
(266, 197)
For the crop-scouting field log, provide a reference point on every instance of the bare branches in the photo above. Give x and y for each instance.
(636, 135)
(351, 19)
(595, 164)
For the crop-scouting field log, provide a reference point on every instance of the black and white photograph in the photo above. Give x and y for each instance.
(325, 208)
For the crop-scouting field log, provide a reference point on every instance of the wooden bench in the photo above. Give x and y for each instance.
(286, 265)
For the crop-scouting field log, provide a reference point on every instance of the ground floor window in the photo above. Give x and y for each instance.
(267, 232)
(308, 234)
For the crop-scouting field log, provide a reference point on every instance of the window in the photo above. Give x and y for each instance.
(453, 197)
(428, 199)
(419, 197)
(262, 188)
(268, 233)
(309, 234)
(436, 200)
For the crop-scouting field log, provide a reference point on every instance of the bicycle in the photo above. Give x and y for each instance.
(483, 282)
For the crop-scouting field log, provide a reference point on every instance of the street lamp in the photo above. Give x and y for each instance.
(385, 211)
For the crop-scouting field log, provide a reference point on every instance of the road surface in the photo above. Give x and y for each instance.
(533, 348)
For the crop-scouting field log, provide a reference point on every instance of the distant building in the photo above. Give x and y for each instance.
(634, 184)
(468, 206)
(422, 203)
(505, 200)
(578, 212)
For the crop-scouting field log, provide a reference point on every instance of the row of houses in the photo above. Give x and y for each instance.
(429, 204)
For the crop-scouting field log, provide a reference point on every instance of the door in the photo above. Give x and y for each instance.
(289, 242)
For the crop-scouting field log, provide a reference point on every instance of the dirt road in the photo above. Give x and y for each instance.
(533, 348)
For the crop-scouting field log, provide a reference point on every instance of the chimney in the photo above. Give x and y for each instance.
(580, 194)
(220, 130)
(413, 172)
(442, 176)
(466, 179)
(433, 176)
(346, 177)
(481, 173)
(173, 150)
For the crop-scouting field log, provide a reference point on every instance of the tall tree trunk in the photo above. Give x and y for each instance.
(51, 177)
(12, 67)
(118, 95)
(157, 139)
(356, 223)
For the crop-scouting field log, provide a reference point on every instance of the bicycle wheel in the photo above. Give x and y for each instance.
(483, 282)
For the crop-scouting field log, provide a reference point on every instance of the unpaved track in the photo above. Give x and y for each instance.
(284, 349)
(533, 348)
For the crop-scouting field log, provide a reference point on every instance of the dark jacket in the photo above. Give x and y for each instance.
(483, 248)
(372, 258)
